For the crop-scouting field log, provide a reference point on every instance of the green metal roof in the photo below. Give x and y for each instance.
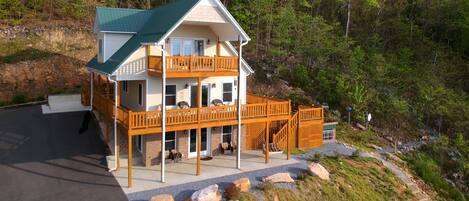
(120, 19)
(329, 126)
(161, 20)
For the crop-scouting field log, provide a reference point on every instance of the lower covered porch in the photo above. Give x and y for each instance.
(147, 178)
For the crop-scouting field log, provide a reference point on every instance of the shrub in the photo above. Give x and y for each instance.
(301, 77)
(297, 152)
(316, 158)
(247, 197)
(266, 186)
(429, 171)
(302, 176)
(356, 154)
(19, 98)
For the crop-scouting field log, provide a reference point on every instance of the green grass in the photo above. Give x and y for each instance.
(351, 179)
(245, 196)
(429, 170)
(359, 138)
(297, 152)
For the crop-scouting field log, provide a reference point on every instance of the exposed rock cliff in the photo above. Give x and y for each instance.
(45, 58)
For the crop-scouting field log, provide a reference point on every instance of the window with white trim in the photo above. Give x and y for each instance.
(227, 134)
(227, 92)
(140, 94)
(187, 47)
(170, 95)
(125, 86)
(170, 141)
(328, 135)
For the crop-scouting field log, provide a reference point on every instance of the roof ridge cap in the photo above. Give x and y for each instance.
(113, 8)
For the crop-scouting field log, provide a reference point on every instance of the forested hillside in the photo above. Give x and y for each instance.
(404, 61)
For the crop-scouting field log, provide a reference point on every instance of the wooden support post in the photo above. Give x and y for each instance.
(118, 93)
(199, 140)
(289, 139)
(289, 131)
(118, 151)
(267, 141)
(129, 163)
(218, 47)
(147, 52)
(199, 136)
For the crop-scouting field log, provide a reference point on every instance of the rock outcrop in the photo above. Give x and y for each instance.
(163, 197)
(318, 170)
(209, 193)
(279, 178)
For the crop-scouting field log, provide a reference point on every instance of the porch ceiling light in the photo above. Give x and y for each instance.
(214, 85)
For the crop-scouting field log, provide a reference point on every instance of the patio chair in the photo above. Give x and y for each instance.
(227, 146)
(175, 156)
(183, 105)
(217, 102)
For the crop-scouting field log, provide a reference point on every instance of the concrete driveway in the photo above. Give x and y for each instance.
(42, 157)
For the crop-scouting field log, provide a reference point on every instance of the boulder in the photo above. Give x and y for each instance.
(163, 197)
(279, 178)
(238, 186)
(318, 170)
(376, 147)
(210, 193)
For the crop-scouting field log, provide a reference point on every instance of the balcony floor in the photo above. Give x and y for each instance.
(184, 172)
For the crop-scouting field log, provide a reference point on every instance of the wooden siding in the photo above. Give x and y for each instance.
(310, 135)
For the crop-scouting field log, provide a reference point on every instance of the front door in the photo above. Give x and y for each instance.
(205, 145)
(205, 95)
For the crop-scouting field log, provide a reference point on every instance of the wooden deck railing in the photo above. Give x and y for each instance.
(306, 114)
(252, 98)
(186, 64)
(139, 120)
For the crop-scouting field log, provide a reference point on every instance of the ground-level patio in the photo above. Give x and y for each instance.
(144, 179)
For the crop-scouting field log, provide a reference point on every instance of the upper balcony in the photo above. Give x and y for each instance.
(193, 66)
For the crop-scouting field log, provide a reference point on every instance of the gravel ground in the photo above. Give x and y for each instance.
(184, 191)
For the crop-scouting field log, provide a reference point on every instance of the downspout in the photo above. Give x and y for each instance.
(115, 123)
(240, 55)
(91, 91)
(163, 111)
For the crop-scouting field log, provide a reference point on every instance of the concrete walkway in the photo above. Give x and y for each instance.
(145, 179)
(185, 190)
(63, 103)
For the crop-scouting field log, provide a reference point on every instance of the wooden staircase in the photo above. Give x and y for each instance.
(291, 127)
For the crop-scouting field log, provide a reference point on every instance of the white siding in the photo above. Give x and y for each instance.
(129, 99)
(203, 13)
(134, 68)
(183, 93)
(112, 43)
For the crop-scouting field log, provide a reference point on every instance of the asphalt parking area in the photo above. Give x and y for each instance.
(43, 157)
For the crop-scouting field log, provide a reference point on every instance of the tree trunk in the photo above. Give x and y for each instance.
(348, 18)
